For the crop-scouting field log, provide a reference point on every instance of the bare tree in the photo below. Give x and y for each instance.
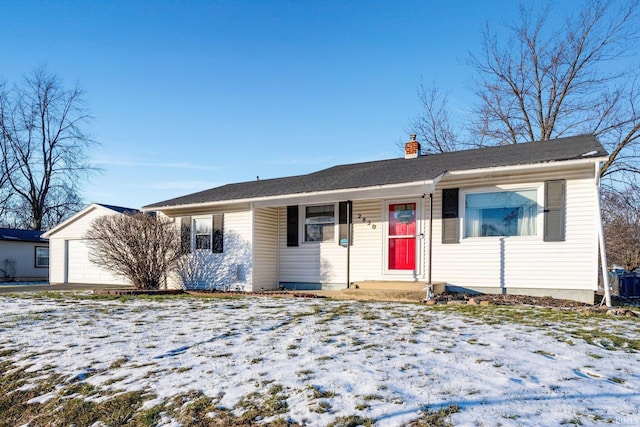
(433, 127)
(44, 148)
(141, 247)
(547, 81)
(621, 221)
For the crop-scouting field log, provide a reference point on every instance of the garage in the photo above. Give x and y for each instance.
(69, 252)
(81, 271)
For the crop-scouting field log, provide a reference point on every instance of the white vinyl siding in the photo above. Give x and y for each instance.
(311, 262)
(80, 270)
(297, 263)
(524, 262)
(367, 259)
(231, 269)
(57, 260)
(326, 262)
(68, 252)
(265, 249)
(237, 241)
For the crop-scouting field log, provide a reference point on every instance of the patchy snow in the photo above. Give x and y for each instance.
(37, 283)
(386, 361)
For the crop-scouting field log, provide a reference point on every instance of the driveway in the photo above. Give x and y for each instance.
(45, 287)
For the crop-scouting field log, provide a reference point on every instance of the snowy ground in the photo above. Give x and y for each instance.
(384, 361)
(24, 283)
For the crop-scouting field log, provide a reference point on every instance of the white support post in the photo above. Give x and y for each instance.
(603, 254)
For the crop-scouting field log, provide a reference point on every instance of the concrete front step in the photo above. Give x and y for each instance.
(438, 287)
(384, 294)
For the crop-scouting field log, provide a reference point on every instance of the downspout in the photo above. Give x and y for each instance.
(278, 248)
(603, 254)
(349, 244)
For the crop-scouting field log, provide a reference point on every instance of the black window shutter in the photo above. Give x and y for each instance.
(345, 218)
(450, 228)
(292, 225)
(218, 234)
(185, 234)
(554, 210)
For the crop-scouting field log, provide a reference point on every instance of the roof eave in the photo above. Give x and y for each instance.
(47, 234)
(284, 198)
(530, 166)
(378, 190)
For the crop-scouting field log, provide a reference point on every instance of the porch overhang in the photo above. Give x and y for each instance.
(409, 189)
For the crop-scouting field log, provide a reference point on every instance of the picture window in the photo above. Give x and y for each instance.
(501, 213)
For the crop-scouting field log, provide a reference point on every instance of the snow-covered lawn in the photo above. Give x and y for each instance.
(322, 361)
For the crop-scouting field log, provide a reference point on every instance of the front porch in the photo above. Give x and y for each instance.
(379, 290)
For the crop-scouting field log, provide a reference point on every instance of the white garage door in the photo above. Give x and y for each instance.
(81, 270)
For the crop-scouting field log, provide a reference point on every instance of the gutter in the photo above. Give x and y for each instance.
(376, 188)
(534, 166)
(289, 196)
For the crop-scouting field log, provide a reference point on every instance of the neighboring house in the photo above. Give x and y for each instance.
(70, 261)
(24, 255)
(519, 219)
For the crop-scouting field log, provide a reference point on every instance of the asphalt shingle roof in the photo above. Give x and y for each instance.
(400, 170)
(119, 209)
(16, 235)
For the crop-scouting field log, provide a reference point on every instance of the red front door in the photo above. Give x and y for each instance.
(402, 236)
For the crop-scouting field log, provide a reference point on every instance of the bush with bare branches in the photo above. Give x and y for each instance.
(141, 247)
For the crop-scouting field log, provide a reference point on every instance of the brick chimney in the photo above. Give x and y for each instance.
(412, 148)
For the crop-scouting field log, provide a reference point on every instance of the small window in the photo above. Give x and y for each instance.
(319, 223)
(502, 213)
(202, 233)
(42, 257)
(208, 233)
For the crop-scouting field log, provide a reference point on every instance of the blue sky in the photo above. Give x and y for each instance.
(189, 95)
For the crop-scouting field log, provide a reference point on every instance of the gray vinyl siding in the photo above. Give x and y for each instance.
(19, 258)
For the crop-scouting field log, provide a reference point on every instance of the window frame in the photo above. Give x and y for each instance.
(195, 234)
(539, 189)
(212, 243)
(36, 257)
(303, 225)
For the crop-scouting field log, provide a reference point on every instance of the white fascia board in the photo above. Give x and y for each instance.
(530, 167)
(73, 218)
(407, 188)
